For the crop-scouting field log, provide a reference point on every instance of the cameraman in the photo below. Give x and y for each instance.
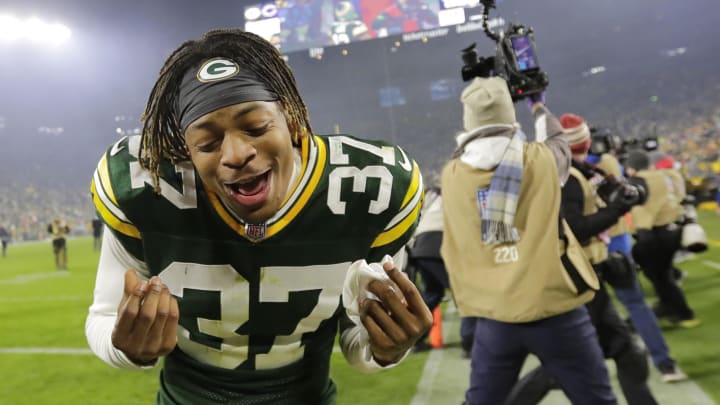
(687, 216)
(627, 288)
(590, 220)
(657, 239)
(525, 281)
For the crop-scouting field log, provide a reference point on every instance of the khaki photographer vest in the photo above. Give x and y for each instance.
(596, 250)
(662, 206)
(678, 182)
(513, 282)
(610, 165)
(678, 188)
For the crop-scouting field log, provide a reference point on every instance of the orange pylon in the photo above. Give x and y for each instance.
(436, 339)
(628, 219)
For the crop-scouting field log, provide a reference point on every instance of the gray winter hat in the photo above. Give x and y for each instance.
(487, 102)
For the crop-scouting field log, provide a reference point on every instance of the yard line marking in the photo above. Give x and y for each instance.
(45, 350)
(714, 265)
(427, 380)
(65, 350)
(697, 394)
(29, 278)
(432, 366)
(47, 298)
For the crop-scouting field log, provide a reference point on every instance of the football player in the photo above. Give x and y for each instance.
(233, 232)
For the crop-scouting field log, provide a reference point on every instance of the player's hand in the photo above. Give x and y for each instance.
(398, 320)
(146, 326)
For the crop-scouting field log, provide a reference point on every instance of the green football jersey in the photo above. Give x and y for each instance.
(259, 303)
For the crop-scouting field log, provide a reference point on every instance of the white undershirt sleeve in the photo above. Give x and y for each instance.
(114, 261)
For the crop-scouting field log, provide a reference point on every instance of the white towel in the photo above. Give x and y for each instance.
(355, 291)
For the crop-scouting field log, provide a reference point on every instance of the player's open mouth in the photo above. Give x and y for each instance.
(250, 191)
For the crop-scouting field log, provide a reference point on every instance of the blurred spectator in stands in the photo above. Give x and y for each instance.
(27, 211)
(59, 231)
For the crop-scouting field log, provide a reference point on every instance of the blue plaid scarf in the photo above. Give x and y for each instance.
(498, 215)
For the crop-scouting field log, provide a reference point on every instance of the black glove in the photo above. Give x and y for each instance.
(632, 194)
(618, 270)
(620, 194)
(535, 98)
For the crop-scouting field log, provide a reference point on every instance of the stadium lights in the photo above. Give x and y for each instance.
(54, 131)
(675, 52)
(316, 53)
(594, 70)
(33, 29)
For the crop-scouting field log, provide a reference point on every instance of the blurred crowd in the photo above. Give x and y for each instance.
(688, 131)
(685, 116)
(27, 209)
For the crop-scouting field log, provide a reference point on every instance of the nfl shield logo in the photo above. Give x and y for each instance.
(482, 197)
(255, 231)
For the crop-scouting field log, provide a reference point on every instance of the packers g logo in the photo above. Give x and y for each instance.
(217, 69)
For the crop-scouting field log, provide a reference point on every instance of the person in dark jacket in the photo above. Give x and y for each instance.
(589, 220)
(425, 256)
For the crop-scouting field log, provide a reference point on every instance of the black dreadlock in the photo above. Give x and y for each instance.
(162, 137)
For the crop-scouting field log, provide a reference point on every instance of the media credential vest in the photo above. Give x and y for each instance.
(513, 282)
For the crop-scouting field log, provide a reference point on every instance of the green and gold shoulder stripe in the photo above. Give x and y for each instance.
(105, 200)
(407, 218)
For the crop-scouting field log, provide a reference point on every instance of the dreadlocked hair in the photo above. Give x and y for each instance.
(162, 137)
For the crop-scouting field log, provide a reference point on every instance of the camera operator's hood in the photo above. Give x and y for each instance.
(484, 147)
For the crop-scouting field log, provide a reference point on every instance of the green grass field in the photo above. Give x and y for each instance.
(41, 308)
(697, 350)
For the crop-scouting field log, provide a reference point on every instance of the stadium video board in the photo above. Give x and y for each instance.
(294, 25)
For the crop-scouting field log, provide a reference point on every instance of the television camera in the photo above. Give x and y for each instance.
(515, 59)
(603, 140)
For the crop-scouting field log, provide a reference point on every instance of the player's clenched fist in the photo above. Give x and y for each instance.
(146, 326)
